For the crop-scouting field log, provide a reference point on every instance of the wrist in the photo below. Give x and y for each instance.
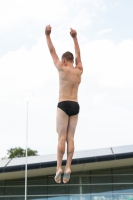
(47, 35)
(75, 39)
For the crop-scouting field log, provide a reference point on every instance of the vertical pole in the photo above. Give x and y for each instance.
(26, 96)
(80, 187)
(26, 153)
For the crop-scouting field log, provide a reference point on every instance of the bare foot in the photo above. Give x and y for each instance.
(57, 177)
(66, 176)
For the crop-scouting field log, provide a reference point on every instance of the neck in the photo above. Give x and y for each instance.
(70, 64)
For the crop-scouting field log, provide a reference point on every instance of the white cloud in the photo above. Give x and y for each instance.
(15, 13)
(97, 99)
(23, 68)
(105, 31)
(98, 4)
(110, 63)
(116, 4)
(23, 14)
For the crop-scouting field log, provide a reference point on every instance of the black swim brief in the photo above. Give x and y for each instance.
(69, 107)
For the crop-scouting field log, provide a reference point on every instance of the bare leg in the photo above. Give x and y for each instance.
(61, 126)
(70, 144)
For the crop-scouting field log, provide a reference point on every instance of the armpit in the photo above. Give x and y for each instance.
(58, 65)
(79, 66)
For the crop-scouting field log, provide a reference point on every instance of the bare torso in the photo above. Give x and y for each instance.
(69, 80)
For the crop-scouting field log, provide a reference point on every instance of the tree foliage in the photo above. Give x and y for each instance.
(18, 152)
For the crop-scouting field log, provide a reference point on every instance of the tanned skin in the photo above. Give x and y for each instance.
(69, 80)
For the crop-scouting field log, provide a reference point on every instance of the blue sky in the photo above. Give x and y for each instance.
(105, 36)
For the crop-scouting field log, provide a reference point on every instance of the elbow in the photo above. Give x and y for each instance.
(52, 50)
(78, 52)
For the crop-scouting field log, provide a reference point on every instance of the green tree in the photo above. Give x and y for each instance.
(18, 152)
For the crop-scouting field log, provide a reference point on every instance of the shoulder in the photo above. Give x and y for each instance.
(58, 64)
(79, 67)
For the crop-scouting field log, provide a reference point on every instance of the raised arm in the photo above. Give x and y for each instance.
(55, 58)
(78, 62)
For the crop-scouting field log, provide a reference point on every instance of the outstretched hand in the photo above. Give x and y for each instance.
(48, 30)
(73, 33)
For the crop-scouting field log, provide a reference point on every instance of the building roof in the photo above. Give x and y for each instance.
(82, 160)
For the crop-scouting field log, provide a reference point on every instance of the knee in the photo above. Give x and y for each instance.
(61, 139)
(61, 145)
(70, 140)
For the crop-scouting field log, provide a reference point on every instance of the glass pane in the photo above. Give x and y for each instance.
(122, 197)
(2, 191)
(37, 198)
(101, 172)
(59, 198)
(2, 188)
(12, 198)
(85, 184)
(121, 188)
(74, 180)
(20, 182)
(37, 181)
(86, 197)
(55, 189)
(37, 190)
(101, 188)
(123, 178)
(102, 197)
(123, 170)
(14, 190)
(101, 179)
(74, 189)
(101, 184)
(85, 179)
